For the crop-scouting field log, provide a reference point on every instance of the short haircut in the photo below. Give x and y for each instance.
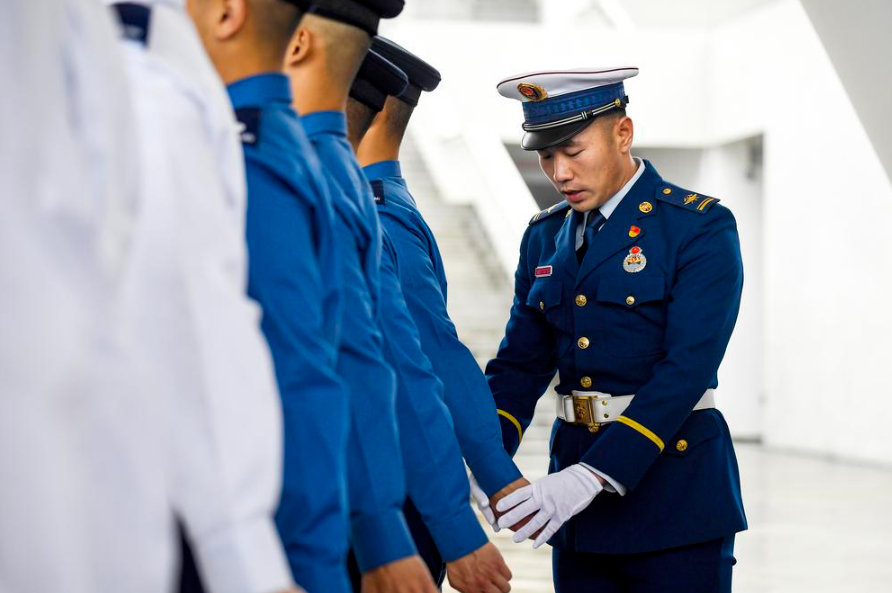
(359, 119)
(343, 43)
(275, 22)
(397, 114)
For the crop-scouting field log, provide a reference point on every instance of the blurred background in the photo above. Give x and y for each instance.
(780, 109)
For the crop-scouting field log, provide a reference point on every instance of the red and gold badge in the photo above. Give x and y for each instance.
(532, 92)
(635, 261)
(634, 231)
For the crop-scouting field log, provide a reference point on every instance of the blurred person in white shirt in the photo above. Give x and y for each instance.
(83, 503)
(193, 326)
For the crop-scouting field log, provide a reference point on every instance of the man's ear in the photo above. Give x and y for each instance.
(299, 47)
(229, 17)
(624, 132)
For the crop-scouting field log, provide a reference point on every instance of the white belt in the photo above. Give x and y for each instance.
(593, 408)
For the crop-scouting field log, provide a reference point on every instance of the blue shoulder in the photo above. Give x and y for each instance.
(686, 199)
(550, 211)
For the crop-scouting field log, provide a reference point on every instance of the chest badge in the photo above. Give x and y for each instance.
(635, 261)
(543, 271)
(634, 232)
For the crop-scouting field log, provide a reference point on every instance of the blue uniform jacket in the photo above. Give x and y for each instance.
(424, 282)
(435, 476)
(292, 252)
(375, 470)
(659, 332)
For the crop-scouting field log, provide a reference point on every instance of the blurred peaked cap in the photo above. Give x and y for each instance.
(422, 76)
(362, 14)
(558, 104)
(304, 5)
(377, 79)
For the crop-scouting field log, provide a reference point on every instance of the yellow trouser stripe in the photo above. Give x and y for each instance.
(514, 422)
(635, 426)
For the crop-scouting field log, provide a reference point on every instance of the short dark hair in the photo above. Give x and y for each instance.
(275, 22)
(398, 113)
(359, 119)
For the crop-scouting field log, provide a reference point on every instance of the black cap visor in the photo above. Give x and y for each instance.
(547, 138)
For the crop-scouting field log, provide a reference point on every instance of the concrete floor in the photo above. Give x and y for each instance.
(816, 526)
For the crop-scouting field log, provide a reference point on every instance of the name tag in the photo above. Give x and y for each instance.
(543, 271)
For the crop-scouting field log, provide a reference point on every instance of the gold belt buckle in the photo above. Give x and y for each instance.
(583, 408)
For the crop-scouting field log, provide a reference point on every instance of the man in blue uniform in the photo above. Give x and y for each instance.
(423, 276)
(629, 290)
(293, 255)
(322, 61)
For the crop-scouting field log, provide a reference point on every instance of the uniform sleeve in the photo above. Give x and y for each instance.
(375, 466)
(228, 456)
(286, 280)
(525, 363)
(436, 478)
(702, 311)
(466, 392)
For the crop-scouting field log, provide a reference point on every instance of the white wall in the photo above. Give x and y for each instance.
(732, 172)
(826, 323)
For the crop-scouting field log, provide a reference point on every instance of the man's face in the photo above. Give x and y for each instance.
(588, 168)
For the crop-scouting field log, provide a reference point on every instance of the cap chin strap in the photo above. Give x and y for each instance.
(585, 115)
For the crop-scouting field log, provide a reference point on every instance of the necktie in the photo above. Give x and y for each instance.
(595, 220)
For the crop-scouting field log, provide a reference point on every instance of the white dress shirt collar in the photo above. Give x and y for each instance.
(611, 204)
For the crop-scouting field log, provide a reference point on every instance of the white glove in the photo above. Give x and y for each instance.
(556, 497)
(482, 501)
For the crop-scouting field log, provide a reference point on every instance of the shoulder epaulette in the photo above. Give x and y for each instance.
(249, 124)
(378, 191)
(686, 199)
(559, 207)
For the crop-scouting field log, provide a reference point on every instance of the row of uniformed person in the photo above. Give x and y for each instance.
(233, 348)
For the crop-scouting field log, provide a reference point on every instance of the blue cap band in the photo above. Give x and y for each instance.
(554, 109)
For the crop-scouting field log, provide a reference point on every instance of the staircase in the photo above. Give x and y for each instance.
(479, 301)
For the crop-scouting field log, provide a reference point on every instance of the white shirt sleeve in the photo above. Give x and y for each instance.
(611, 485)
(200, 333)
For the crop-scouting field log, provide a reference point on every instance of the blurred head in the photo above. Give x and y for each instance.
(592, 166)
(244, 37)
(322, 58)
(381, 141)
(359, 119)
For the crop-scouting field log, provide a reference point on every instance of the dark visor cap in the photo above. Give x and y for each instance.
(362, 14)
(377, 79)
(422, 76)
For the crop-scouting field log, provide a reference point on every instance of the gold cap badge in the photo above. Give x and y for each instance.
(532, 92)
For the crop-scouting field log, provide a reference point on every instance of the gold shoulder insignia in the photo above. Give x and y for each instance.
(683, 198)
(559, 207)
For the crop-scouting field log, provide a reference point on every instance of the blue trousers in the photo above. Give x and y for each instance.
(699, 568)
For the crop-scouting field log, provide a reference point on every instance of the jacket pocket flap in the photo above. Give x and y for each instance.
(631, 290)
(697, 429)
(545, 294)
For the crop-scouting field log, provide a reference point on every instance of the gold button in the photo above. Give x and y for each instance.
(582, 343)
(630, 300)
(586, 382)
(581, 300)
(603, 402)
(645, 207)
(681, 446)
(667, 190)
(541, 306)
